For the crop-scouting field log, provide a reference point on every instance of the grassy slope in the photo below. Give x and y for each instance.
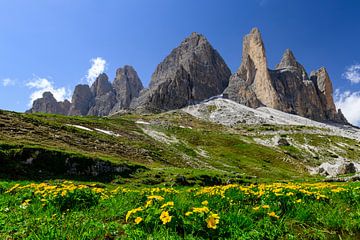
(194, 148)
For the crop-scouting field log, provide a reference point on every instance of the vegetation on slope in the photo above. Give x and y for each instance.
(68, 210)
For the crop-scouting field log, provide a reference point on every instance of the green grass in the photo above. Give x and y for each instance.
(199, 144)
(43, 147)
(300, 211)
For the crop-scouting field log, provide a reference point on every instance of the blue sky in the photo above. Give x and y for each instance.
(50, 44)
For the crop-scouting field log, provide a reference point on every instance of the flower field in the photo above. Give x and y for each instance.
(69, 210)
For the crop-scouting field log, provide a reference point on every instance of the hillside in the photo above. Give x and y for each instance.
(216, 141)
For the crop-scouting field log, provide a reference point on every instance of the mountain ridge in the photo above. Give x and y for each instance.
(195, 71)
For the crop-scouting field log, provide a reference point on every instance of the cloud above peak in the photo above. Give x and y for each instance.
(98, 66)
(6, 82)
(349, 103)
(352, 73)
(41, 85)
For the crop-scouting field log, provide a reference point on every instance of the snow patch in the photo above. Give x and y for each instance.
(111, 133)
(142, 122)
(80, 127)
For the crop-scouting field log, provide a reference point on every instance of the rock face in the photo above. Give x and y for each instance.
(251, 84)
(104, 96)
(48, 104)
(287, 88)
(102, 99)
(127, 86)
(323, 83)
(193, 71)
(82, 100)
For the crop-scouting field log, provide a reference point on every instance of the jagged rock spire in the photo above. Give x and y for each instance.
(287, 60)
(127, 85)
(82, 100)
(287, 88)
(252, 84)
(101, 85)
(104, 96)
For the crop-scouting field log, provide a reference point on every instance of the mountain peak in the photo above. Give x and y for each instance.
(288, 60)
(101, 85)
(193, 40)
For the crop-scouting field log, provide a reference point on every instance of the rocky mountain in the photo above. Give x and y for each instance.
(101, 99)
(104, 96)
(192, 72)
(82, 100)
(127, 86)
(288, 88)
(48, 104)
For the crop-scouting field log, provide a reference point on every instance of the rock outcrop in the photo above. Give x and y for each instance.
(127, 86)
(104, 96)
(193, 71)
(251, 84)
(288, 88)
(82, 100)
(102, 99)
(48, 104)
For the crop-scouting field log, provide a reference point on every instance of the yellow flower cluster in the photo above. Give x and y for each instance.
(213, 221)
(165, 217)
(132, 211)
(46, 191)
(278, 189)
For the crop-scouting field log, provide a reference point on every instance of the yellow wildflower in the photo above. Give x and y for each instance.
(265, 206)
(138, 220)
(188, 213)
(205, 202)
(167, 204)
(165, 217)
(159, 198)
(256, 208)
(148, 203)
(273, 214)
(201, 210)
(298, 201)
(128, 214)
(212, 220)
(13, 188)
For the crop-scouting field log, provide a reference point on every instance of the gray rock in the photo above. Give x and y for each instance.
(287, 88)
(347, 168)
(82, 100)
(127, 86)
(323, 83)
(192, 72)
(104, 96)
(48, 104)
(101, 86)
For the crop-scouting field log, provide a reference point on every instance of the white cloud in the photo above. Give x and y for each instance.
(42, 85)
(8, 82)
(349, 103)
(352, 73)
(97, 67)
